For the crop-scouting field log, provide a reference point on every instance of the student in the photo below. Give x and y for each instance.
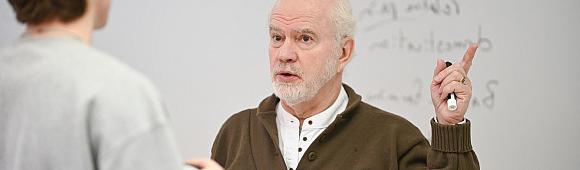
(65, 105)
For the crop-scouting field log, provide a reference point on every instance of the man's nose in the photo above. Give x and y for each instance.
(287, 53)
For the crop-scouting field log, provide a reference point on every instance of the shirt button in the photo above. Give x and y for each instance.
(312, 156)
(304, 138)
(299, 149)
(310, 122)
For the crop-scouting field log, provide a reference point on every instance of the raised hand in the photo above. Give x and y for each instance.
(452, 79)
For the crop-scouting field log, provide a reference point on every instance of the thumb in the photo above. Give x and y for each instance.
(439, 67)
(204, 164)
(198, 163)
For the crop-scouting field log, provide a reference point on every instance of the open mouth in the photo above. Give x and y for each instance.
(286, 76)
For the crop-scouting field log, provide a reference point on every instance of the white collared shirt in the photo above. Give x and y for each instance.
(293, 142)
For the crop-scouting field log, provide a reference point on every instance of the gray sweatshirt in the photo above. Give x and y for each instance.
(65, 105)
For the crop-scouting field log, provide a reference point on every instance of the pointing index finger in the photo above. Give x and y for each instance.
(468, 57)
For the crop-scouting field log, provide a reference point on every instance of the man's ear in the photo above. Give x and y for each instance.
(347, 49)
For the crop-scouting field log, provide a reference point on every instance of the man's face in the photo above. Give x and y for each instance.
(303, 52)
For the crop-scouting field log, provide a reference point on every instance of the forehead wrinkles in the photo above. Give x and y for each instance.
(288, 20)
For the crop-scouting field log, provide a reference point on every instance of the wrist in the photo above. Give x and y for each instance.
(452, 122)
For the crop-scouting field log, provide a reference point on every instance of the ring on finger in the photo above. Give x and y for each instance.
(463, 80)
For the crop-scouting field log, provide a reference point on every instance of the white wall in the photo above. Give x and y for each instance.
(209, 59)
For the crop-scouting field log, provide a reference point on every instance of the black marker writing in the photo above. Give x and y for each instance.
(431, 43)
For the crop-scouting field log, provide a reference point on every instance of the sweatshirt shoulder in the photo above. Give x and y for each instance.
(387, 121)
(382, 115)
(240, 119)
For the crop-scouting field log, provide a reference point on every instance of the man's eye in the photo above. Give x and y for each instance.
(306, 38)
(277, 38)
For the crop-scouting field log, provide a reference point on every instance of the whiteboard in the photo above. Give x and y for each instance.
(209, 59)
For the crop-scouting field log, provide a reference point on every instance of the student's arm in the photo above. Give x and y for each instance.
(130, 129)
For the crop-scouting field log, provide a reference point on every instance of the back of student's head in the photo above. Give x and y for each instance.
(35, 12)
(40, 11)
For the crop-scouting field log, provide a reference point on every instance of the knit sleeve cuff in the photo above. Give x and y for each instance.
(451, 138)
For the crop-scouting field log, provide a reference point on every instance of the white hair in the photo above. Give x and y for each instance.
(342, 19)
(343, 23)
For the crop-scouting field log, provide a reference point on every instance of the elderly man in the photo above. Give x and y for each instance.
(315, 122)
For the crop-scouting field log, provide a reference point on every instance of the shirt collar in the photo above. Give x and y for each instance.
(320, 120)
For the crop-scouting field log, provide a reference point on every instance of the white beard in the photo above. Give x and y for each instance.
(295, 93)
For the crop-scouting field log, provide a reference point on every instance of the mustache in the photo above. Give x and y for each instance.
(287, 68)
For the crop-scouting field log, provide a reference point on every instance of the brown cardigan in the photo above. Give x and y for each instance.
(361, 138)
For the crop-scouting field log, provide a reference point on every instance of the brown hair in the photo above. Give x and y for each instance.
(38, 11)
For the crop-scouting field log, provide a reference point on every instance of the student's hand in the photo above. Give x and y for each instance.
(449, 80)
(205, 164)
